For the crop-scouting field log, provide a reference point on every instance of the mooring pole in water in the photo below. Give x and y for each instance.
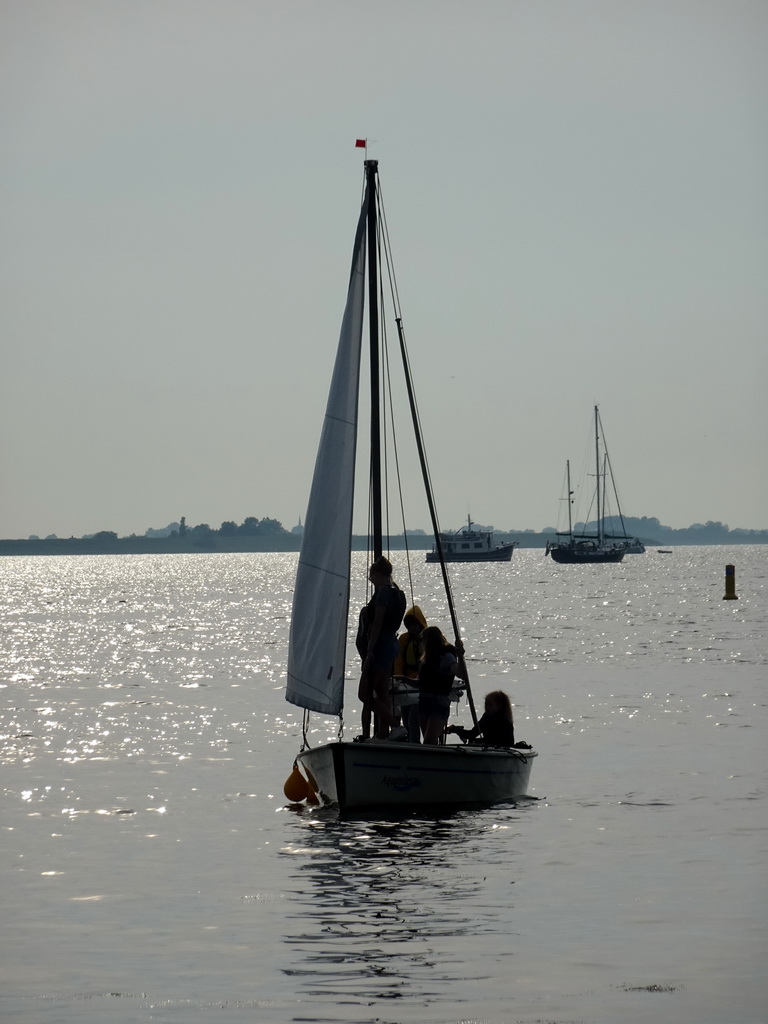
(730, 584)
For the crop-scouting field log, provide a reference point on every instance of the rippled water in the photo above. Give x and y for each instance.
(152, 871)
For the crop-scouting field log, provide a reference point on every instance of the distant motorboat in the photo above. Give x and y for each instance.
(469, 545)
(664, 551)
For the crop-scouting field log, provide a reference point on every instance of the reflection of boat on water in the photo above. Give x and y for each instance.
(471, 545)
(372, 892)
(379, 773)
(573, 547)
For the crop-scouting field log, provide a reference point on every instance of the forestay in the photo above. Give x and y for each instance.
(318, 636)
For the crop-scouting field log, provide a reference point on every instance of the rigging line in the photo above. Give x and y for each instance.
(369, 546)
(385, 257)
(384, 382)
(610, 472)
(583, 487)
(585, 523)
(606, 470)
(388, 252)
(565, 489)
(385, 386)
(398, 476)
(420, 446)
(399, 321)
(417, 419)
(433, 513)
(615, 492)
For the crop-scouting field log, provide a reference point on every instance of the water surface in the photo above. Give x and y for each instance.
(152, 870)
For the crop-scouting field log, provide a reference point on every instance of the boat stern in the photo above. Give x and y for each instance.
(391, 775)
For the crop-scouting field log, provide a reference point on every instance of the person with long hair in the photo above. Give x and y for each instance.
(496, 725)
(440, 665)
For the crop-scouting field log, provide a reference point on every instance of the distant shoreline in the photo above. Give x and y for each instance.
(215, 543)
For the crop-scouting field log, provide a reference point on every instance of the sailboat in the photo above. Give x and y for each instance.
(471, 545)
(601, 545)
(375, 774)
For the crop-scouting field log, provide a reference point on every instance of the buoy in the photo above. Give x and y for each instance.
(730, 583)
(296, 787)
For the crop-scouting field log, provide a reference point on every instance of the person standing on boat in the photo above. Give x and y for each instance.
(496, 725)
(407, 666)
(440, 665)
(384, 616)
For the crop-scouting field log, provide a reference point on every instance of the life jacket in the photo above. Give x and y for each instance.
(410, 647)
(411, 655)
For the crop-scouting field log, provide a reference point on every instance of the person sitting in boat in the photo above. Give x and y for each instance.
(407, 666)
(496, 725)
(441, 663)
(384, 615)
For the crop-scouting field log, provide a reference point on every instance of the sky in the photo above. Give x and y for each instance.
(576, 198)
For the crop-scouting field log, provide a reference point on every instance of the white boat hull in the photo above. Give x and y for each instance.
(503, 553)
(468, 545)
(357, 776)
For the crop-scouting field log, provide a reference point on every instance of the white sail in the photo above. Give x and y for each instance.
(318, 637)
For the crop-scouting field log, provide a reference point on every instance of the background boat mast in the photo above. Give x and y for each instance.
(597, 478)
(569, 498)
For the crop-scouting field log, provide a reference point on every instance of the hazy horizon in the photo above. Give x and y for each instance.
(415, 530)
(576, 200)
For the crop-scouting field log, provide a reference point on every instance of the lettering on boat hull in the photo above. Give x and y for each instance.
(401, 783)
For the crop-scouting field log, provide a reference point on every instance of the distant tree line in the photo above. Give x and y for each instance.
(647, 528)
(250, 527)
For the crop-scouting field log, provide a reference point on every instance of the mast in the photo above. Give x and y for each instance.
(371, 170)
(597, 478)
(570, 496)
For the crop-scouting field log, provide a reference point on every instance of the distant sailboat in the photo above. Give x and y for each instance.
(572, 548)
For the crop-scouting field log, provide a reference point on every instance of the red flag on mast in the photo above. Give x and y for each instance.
(361, 144)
